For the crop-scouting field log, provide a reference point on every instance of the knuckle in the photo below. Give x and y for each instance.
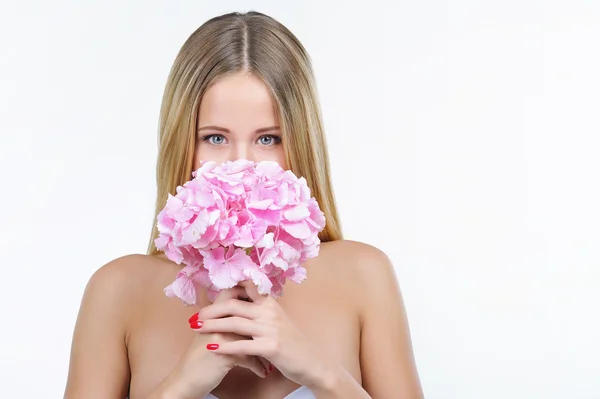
(232, 303)
(273, 348)
(202, 313)
(211, 325)
(230, 323)
(272, 306)
(273, 314)
(268, 302)
(229, 302)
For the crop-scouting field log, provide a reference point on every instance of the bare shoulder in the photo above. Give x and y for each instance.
(114, 274)
(126, 265)
(348, 249)
(98, 366)
(121, 286)
(121, 279)
(387, 362)
(124, 275)
(359, 262)
(355, 267)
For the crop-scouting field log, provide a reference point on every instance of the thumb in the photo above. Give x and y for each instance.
(230, 293)
(251, 291)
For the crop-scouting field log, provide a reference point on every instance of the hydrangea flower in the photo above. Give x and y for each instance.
(236, 221)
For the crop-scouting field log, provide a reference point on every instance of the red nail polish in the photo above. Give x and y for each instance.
(196, 324)
(193, 318)
(212, 347)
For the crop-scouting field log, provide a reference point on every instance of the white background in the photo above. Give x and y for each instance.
(464, 138)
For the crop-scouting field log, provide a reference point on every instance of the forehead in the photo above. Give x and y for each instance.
(237, 101)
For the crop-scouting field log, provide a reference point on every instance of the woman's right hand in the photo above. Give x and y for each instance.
(200, 370)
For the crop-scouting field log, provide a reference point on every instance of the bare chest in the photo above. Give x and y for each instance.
(159, 337)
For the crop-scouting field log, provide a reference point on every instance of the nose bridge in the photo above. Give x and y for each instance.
(241, 149)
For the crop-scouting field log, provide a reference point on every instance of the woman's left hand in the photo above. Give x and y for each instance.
(275, 337)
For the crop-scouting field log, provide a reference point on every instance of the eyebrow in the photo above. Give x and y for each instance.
(224, 130)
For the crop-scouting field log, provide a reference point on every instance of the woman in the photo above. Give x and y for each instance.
(242, 87)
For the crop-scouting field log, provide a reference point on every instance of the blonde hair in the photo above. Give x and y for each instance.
(257, 44)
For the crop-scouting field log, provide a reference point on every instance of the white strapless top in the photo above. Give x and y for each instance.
(300, 393)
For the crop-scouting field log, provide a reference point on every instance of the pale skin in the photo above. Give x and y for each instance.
(343, 332)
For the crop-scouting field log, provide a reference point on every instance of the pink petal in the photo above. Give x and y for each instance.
(268, 255)
(299, 212)
(296, 274)
(196, 229)
(288, 252)
(169, 291)
(280, 263)
(246, 239)
(266, 241)
(161, 241)
(269, 216)
(222, 273)
(184, 289)
(261, 205)
(262, 282)
(164, 223)
(173, 253)
(224, 276)
(270, 169)
(214, 257)
(296, 229)
(241, 260)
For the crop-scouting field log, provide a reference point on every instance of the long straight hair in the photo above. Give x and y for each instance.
(254, 43)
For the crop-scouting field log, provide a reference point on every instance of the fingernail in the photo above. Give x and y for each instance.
(212, 347)
(196, 324)
(193, 318)
(270, 367)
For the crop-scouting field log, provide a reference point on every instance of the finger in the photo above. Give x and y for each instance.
(230, 293)
(224, 295)
(252, 291)
(230, 307)
(234, 324)
(252, 347)
(253, 364)
(265, 363)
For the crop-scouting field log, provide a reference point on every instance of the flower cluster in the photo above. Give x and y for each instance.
(235, 221)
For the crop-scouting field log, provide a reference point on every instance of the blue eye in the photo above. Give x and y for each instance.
(269, 140)
(214, 139)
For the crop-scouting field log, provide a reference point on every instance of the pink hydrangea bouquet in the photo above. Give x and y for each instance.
(236, 221)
